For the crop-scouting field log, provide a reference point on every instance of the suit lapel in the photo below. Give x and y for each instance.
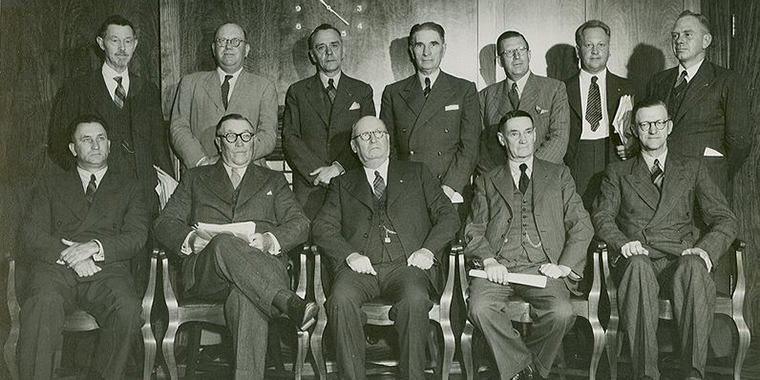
(673, 183)
(218, 183)
(356, 185)
(574, 94)
(342, 98)
(502, 97)
(250, 184)
(439, 94)
(502, 181)
(640, 180)
(99, 96)
(317, 99)
(214, 88)
(529, 95)
(698, 88)
(72, 195)
(540, 179)
(108, 185)
(395, 177)
(412, 95)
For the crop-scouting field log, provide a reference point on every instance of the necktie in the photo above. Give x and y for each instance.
(594, 105)
(524, 180)
(235, 177)
(119, 94)
(426, 91)
(89, 194)
(331, 90)
(379, 185)
(226, 90)
(676, 96)
(514, 98)
(657, 174)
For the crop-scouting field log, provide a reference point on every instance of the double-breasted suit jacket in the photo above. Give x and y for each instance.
(546, 101)
(198, 108)
(441, 131)
(316, 133)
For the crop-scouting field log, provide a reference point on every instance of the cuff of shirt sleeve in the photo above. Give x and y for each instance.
(275, 248)
(186, 248)
(340, 167)
(100, 255)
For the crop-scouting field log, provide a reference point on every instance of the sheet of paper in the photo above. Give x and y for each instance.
(243, 230)
(622, 120)
(534, 280)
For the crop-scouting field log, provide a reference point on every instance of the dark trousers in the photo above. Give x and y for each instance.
(247, 279)
(53, 293)
(685, 281)
(408, 289)
(552, 316)
(591, 158)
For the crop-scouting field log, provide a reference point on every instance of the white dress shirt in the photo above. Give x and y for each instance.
(111, 84)
(514, 169)
(232, 82)
(520, 84)
(585, 81)
(370, 173)
(690, 72)
(433, 77)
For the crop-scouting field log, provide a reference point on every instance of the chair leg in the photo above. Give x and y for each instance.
(466, 342)
(167, 346)
(449, 347)
(596, 353)
(149, 341)
(316, 345)
(9, 351)
(744, 341)
(611, 341)
(303, 348)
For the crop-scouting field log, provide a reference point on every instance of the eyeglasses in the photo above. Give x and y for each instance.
(224, 42)
(644, 126)
(232, 137)
(366, 136)
(519, 52)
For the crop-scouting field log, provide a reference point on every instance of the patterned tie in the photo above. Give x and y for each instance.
(594, 105)
(426, 91)
(657, 174)
(679, 90)
(379, 185)
(226, 90)
(524, 180)
(89, 194)
(332, 92)
(514, 98)
(235, 177)
(119, 94)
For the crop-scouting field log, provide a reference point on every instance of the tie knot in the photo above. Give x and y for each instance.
(514, 86)
(377, 174)
(427, 82)
(227, 78)
(656, 163)
(523, 168)
(331, 83)
(117, 79)
(594, 79)
(93, 179)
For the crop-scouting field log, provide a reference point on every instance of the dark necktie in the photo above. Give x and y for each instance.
(226, 90)
(514, 98)
(524, 180)
(657, 174)
(594, 105)
(679, 90)
(379, 185)
(426, 91)
(89, 194)
(331, 90)
(119, 94)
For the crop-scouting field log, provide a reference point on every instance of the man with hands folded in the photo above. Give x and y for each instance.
(526, 218)
(383, 227)
(644, 212)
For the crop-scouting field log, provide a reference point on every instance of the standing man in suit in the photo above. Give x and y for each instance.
(251, 277)
(545, 99)
(645, 214)
(709, 104)
(128, 103)
(205, 97)
(526, 218)
(83, 228)
(594, 95)
(384, 227)
(319, 113)
(433, 116)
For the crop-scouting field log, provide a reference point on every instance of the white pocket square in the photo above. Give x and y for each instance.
(710, 152)
(354, 106)
(452, 107)
(540, 110)
(269, 192)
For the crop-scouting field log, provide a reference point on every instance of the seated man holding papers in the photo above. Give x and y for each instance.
(526, 218)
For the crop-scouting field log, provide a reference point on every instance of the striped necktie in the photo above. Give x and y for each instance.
(657, 174)
(120, 95)
(92, 186)
(426, 90)
(332, 92)
(379, 185)
(594, 105)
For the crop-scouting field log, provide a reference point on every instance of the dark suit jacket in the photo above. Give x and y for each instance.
(715, 113)
(441, 131)
(629, 207)
(420, 212)
(205, 194)
(545, 99)
(118, 217)
(88, 95)
(616, 88)
(315, 133)
(563, 224)
(198, 108)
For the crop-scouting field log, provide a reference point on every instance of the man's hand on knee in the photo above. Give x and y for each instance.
(554, 271)
(701, 253)
(421, 258)
(633, 248)
(262, 242)
(495, 271)
(360, 264)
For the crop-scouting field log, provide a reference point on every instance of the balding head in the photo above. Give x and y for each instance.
(229, 57)
(370, 141)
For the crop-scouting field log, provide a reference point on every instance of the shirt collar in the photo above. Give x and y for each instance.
(109, 73)
(433, 77)
(650, 159)
(325, 79)
(691, 71)
(586, 76)
(514, 169)
(221, 73)
(520, 83)
(84, 176)
(382, 169)
(241, 169)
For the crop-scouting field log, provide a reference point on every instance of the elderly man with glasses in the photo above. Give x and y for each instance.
(644, 212)
(204, 97)
(384, 227)
(249, 273)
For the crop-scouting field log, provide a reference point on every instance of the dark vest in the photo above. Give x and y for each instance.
(380, 249)
(522, 249)
(122, 155)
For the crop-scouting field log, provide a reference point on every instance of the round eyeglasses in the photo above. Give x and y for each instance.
(224, 42)
(366, 136)
(232, 137)
(645, 126)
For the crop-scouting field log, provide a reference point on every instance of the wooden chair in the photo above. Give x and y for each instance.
(731, 305)
(378, 311)
(183, 310)
(584, 307)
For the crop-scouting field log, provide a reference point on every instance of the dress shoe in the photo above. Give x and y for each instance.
(528, 373)
(302, 313)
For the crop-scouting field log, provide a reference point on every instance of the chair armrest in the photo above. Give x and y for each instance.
(595, 291)
(169, 294)
(319, 289)
(150, 291)
(740, 288)
(448, 289)
(609, 283)
(458, 250)
(302, 272)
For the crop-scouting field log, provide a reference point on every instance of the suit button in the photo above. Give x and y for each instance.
(439, 153)
(440, 176)
(369, 218)
(365, 235)
(525, 216)
(411, 152)
(403, 130)
(509, 220)
(446, 130)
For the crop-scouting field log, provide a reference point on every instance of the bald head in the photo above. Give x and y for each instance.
(370, 141)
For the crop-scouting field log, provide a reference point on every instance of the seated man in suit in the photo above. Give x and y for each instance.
(644, 213)
(526, 218)
(204, 97)
(83, 228)
(250, 276)
(383, 226)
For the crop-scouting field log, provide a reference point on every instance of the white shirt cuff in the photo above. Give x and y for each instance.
(275, 249)
(100, 256)
(186, 248)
